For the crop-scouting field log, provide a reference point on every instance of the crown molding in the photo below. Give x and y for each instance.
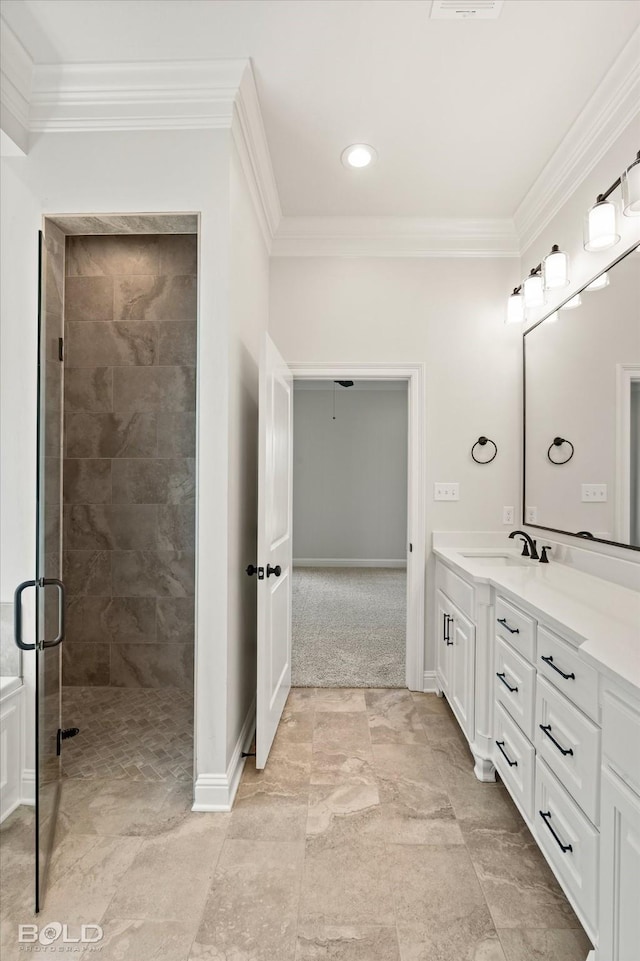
(609, 111)
(15, 87)
(394, 237)
(250, 139)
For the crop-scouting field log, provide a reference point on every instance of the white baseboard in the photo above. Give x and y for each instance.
(28, 786)
(347, 562)
(430, 683)
(216, 792)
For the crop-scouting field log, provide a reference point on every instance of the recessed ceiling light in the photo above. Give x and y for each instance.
(358, 155)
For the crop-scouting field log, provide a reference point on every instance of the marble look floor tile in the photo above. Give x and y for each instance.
(344, 730)
(473, 939)
(289, 764)
(88, 299)
(252, 907)
(415, 761)
(83, 894)
(473, 800)
(187, 856)
(112, 808)
(270, 810)
(346, 882)
(416, 812)
(156, 665)
(111, 345)
(393, 718)
(176, 434)
(330, 765)
(155, 298)
(518, 884)
(126, 940)
(345, 812)
(155, 388)
(301, 699)
(339, 699)
(539, 944)
(178, 254)
(87, 481)
(153, 573)
(88, 389)
(16, 857)
(108, 256)
(442, 729)
(175, 619)
(295, 727)
(86, 664)
(430, 703)
(347, 942)
(110, 435)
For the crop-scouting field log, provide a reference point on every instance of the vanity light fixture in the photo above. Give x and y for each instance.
(534, 288)
(573, 303)
(358, 155)
(515, 307)
(600, 223)
(631, 189)
(599, 283)
(555, 269)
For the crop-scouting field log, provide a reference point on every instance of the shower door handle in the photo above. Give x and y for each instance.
(54, 582)
(17, 615)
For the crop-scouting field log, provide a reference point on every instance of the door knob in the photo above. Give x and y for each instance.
(252, 569)
(277, 570)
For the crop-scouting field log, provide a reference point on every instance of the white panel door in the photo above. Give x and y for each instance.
(275, 503)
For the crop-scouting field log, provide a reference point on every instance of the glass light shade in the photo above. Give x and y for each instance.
(571, 304)
(631, 190)
(358, 155)
(600, 228)
(599, 282)
(515, 308)
(533, 290)
(556, 269)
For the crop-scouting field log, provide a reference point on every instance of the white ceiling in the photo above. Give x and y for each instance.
(464, 115)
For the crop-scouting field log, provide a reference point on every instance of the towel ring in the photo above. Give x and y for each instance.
(557, 442)
(482, 441)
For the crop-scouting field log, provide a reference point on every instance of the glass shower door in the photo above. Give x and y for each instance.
(49, 590)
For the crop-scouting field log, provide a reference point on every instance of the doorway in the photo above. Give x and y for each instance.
(350, 538)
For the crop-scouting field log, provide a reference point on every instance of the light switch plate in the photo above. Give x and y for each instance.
(594, 493)
(446, 491)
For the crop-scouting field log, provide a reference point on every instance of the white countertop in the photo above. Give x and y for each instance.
(601, 618)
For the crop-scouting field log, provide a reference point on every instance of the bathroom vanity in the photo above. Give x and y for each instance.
(541, 666)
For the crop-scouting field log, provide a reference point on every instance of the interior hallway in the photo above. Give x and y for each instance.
(367, 838)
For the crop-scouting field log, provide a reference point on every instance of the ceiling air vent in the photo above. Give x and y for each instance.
(466, 9)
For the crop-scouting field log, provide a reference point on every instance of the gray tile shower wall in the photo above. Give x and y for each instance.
(129, 469)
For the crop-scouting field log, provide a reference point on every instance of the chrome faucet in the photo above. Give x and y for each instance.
(530, 548)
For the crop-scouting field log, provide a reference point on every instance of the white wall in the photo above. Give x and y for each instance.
(151, 171)
(447, 313)
(249, 303)
(350, 474)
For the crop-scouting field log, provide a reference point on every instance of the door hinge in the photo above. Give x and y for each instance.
(60, 348)
(63, 734)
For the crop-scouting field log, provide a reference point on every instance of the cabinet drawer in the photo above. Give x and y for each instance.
(562, 665)
(570, 842)
(515, 682)
(514, 757)
(457, 590)
(516, 627)
(570, 744)
(621, 737)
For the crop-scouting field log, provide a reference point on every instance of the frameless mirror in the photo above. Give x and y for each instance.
(582, 411)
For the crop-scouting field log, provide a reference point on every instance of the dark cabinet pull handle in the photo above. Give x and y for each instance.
(546, 817)
(252, 569)
(54, 582)
(503, 678)
(277, 570)
(511, 763)
(17, 615)
(512, 630)
(446, 621)
(549, 660)
(547, 730)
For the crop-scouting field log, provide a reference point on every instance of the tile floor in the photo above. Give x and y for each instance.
(143, 734)
(367, 838)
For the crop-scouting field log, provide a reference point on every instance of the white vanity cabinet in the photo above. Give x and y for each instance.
(619, 881)
(464, 659)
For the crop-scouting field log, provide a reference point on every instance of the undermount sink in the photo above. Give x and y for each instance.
(495, 558)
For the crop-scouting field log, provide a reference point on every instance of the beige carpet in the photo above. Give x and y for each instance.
(349, 627)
